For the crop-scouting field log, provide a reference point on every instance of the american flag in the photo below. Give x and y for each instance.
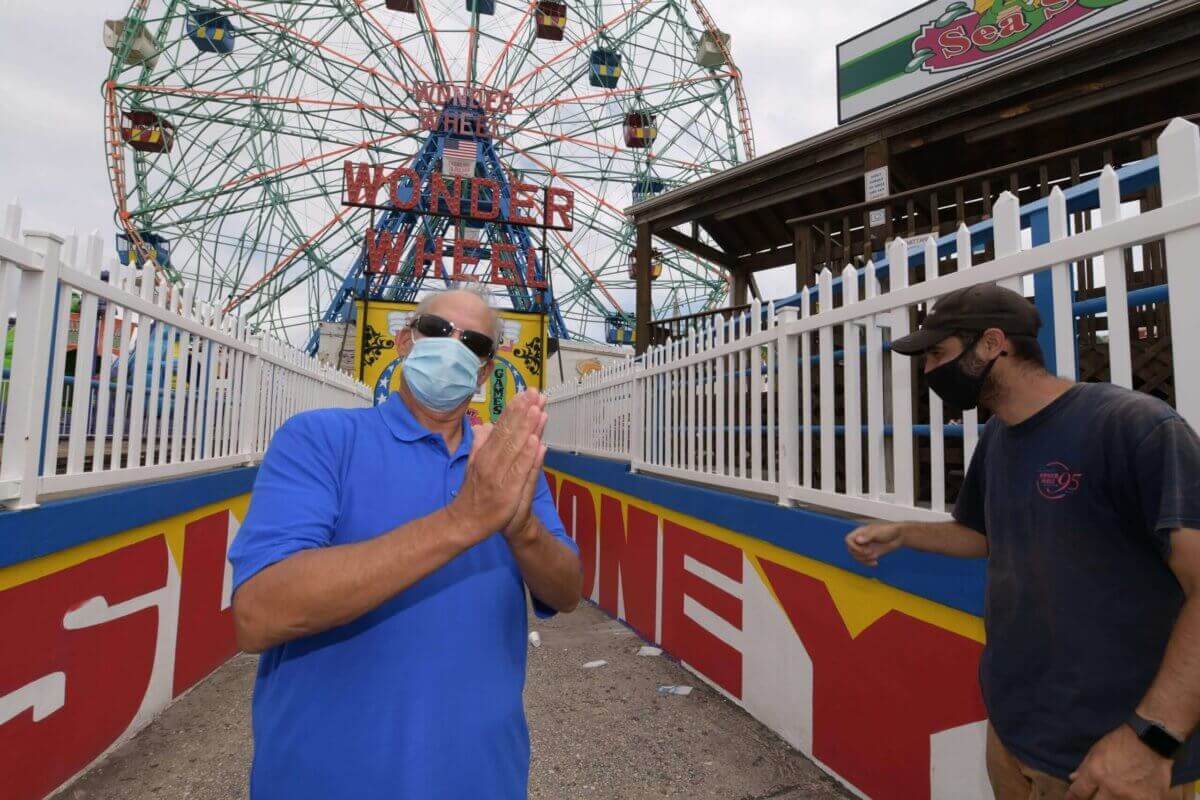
(458, 157)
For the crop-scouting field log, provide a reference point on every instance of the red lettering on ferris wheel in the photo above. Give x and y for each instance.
(460, 124)
(475, 199)
(385, 249)
(491, 101)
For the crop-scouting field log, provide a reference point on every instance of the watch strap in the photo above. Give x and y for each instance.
(1155, 736)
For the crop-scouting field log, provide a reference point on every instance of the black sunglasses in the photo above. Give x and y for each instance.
(436, 327)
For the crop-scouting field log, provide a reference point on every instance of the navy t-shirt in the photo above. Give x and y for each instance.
(1078, 503)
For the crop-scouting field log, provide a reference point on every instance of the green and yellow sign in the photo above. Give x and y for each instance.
(944, 40)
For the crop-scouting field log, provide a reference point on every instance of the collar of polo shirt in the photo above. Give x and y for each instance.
(404, 426)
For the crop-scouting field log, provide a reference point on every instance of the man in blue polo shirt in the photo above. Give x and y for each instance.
(381, 572)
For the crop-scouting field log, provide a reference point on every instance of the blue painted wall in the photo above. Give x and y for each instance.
(55, 526)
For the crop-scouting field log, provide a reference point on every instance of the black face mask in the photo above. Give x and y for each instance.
(952, 383)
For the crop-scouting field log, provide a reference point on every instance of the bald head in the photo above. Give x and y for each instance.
(468, 310)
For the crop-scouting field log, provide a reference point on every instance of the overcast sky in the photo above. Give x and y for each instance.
(52, 63)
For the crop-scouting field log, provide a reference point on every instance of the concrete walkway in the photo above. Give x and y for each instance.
(600, 734)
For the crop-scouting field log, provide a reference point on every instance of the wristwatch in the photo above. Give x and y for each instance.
(1154, 736)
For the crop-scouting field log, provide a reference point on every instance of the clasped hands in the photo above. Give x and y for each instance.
(502, 473)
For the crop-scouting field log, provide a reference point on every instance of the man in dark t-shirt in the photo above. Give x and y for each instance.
(1085, 500)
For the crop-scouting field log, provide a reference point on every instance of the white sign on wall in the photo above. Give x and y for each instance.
(878, 218)
(876, 184)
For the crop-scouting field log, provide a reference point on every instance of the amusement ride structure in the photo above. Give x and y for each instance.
(231, 129)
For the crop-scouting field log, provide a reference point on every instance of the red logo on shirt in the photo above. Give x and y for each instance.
(1056, 480)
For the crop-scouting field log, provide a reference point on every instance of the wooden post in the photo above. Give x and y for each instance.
(643, 306)
(875, 155)
(802, 235)
(741, 284)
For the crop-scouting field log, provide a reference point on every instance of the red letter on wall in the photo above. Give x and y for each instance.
(75, 667)
(206, 638)
(877, 698)
(681, 635)
(630, 559)
(581, 526)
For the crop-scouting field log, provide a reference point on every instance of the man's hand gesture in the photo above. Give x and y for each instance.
(871, 542)
(502, 470)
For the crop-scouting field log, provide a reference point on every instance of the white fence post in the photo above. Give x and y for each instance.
(1006, 233)
(81, 393)
(31, 353)
(250, 399)
(637, 410)
(825, 368)
(876, 450)
(755, 397)
(1060, 283)
(970, 418)
(902, 393)
(937, 417)
(1120, 352)
(1179, 171)
(789, 398)
(806, 387)
(851, 394)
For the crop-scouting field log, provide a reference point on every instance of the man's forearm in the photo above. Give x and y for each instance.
(947, 538)
(1174, 697)
(315, 590)
(550, 569)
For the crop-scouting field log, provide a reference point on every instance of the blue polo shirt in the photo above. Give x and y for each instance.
(420, 698)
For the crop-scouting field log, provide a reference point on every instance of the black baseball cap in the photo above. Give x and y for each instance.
(975, 308)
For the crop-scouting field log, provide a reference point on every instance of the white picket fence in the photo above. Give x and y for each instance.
(187, 390)
(753, 404)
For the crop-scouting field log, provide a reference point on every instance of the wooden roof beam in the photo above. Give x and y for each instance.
(779, 257)
(696, 247)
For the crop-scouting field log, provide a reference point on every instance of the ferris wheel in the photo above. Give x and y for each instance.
(228, 127)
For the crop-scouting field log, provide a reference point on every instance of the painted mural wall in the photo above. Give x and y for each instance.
(870, 673)
(876, 684)
(101, 636)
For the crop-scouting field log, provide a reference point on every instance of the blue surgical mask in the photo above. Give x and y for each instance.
(441, 373)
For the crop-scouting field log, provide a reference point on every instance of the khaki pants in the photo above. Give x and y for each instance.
(1012, 780)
